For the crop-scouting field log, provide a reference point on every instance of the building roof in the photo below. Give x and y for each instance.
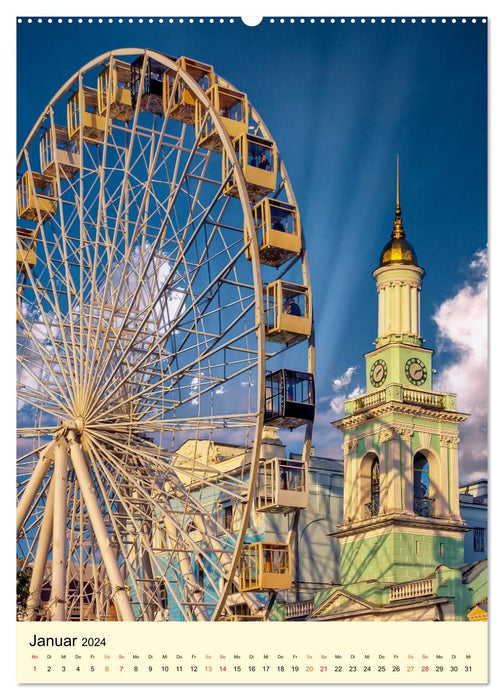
(334, 465)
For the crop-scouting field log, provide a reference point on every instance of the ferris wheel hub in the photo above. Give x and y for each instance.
(76, 425)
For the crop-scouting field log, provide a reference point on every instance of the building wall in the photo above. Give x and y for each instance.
(398, 556)
(474, 510)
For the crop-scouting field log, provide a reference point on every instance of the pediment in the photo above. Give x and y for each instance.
(338, 603)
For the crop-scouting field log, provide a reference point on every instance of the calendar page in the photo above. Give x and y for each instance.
(251, 322)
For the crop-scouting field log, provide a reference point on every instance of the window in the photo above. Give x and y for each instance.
(479, 539)
(200, 575)
(375, 487)
(422, 503)
(228, 517)
(163, 594)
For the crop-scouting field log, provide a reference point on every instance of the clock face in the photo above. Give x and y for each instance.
(416, 371)
(378, 373)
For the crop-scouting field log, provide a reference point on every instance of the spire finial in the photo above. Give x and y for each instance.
(398, 231)
(398, 206)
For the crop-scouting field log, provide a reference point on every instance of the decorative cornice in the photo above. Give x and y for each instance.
(357, 419)
(383, 284)
(392, 521)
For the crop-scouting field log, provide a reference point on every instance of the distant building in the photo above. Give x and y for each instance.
(473, 509)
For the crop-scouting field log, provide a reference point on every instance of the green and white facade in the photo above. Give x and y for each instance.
(402, 535)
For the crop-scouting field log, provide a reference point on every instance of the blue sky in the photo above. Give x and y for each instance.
(341, 101)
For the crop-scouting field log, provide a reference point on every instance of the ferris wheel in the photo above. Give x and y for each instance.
(164, 330)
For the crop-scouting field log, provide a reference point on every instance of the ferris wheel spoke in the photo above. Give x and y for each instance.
(170, 381)
(153, 366)
(125, 272)
(160, 292)
(174, 326)
(124, 186)
(35, 396)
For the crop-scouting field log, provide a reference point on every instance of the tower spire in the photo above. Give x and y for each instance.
(398, 231)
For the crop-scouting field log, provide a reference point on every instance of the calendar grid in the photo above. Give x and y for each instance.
(184, 653)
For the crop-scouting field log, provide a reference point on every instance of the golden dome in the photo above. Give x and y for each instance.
(398, 251)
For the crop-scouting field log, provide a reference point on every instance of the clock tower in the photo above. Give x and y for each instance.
(401, 517)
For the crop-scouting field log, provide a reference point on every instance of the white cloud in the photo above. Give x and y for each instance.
(463, 332)
(338, 384)
(356, 392)
(344, 379)
(326, 439)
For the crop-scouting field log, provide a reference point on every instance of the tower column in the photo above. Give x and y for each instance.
(407, 468)
(390, 463)
(386, 316)
(453, 477)
(381, 311)
(440, 485)
(415, 309)
(406, 308)
(350, 485)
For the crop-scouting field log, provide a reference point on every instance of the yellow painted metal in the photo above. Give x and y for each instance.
(287, 322)
(232, 108)
(265, 566)
(182, 104)
(282, 486)
(258, 161)
(26, 251)
(477, 614)
(118, 93)
(278, 230)
(58, 152)
(82, 114)
(36, 197)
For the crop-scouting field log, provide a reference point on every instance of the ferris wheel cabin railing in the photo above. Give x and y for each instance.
(282, 485)
(278, 231)
(183, 102)
(114, 93)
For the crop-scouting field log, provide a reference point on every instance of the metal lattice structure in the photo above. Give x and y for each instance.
(141, 332)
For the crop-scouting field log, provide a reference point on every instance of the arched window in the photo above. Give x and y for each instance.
(422, 504)
(375, 487)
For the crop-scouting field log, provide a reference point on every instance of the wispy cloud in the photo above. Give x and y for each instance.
(326, 439)
(340, 387)
(463, 332)
(344, 379)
